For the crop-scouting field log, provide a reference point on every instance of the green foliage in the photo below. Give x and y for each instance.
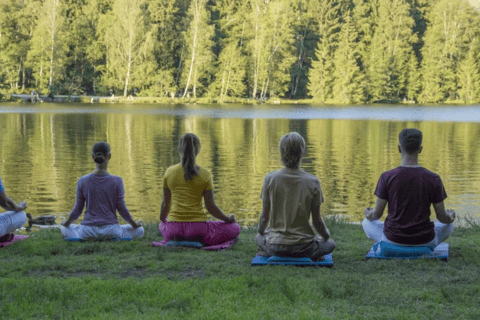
(46, 277)
(348, 86)
(402, 49)
(321, 75)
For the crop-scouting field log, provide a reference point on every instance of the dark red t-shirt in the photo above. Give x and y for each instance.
(410, 191)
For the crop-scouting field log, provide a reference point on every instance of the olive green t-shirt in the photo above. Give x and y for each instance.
(291, 193)
(186, 202)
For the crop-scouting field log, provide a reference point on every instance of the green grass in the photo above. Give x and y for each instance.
(46, 277)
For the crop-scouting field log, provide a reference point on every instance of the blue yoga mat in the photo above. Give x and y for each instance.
(189, 244)
(287, 261)
(393, 251)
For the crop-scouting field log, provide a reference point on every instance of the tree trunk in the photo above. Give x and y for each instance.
(192, 63)
(223, 82)
(129, 62)
(256, 57)
(52, 47)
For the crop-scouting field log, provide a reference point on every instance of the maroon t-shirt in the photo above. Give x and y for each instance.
(410, 191)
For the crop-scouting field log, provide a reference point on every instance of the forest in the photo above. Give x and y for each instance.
(330, 51)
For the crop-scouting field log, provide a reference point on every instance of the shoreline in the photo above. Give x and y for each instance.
(26, 98)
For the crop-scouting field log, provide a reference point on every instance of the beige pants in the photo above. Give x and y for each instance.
(314, 250)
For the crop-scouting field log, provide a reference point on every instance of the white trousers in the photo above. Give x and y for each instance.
(11, 221)
(374, 230)
(107, 232)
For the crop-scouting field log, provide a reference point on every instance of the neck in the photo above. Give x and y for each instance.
(101, 168)
(410, 160)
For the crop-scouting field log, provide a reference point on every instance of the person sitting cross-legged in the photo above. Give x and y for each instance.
(290, 197)
(12, 219)
(409, 190)
(181, 213)
(104, 195)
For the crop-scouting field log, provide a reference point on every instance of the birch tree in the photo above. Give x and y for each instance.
(128, 40)
(198, 40)
(48, 43)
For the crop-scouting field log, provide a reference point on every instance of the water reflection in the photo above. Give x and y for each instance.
(45, 151)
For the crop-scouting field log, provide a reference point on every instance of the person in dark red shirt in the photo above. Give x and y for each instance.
(409, 190)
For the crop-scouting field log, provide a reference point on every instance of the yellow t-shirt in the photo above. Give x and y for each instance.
(186, 202)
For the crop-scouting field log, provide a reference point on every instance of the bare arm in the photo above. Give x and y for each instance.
(318, 223)
(213, 209)
(165, 207)
(264, 218)
(375, 214)
(8, 204)
(444, 216)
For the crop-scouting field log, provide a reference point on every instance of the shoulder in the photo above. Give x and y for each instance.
(273, 175)
(431, 176)
(205, 174)
(391, 172)
(85, 178)
(309, 176)
(173, 169)
(116, 179)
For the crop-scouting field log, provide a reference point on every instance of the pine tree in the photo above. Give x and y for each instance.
(469, 75)
(390, 50)
(444, 45)
(321, 74)
(349, 84)
(231, 63)
(166, 28)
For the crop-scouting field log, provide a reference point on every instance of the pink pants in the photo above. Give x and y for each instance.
(209, 232)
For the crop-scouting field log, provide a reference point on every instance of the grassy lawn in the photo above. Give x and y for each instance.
(46, 277)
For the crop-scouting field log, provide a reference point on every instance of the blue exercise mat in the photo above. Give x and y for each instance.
(189, 244)
(287, 261)
(384, 250)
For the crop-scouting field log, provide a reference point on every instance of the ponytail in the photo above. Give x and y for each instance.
(189, 147)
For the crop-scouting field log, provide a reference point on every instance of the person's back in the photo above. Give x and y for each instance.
(184, 187)
(104, 195)
(409, 190)
(290, 197)
(291, 193)
(187, 195)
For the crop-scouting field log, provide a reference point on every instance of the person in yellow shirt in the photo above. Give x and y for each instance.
(181, 214)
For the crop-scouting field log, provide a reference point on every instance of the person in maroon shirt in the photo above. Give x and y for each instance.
(409, 190)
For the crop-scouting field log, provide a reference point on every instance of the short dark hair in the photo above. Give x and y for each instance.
(410, 140)
(100, 151)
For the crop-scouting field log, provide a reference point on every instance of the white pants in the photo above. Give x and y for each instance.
(11, 221)
(374, 230)
(107, 232)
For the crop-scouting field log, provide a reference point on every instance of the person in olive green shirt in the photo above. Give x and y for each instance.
(290, 197)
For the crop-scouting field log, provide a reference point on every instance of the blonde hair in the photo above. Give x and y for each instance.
(189, 147)
(292, 149)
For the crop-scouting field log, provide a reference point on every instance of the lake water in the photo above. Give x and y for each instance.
(45, 148)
